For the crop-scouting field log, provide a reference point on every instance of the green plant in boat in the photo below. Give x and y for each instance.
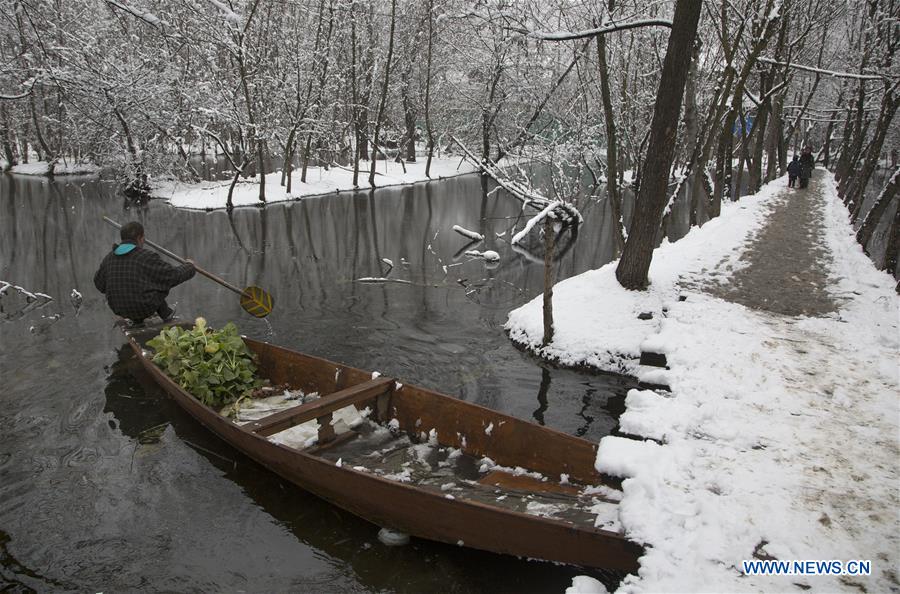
(213, 365)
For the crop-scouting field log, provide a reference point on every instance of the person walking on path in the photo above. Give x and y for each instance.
(807, 164)
(793, 170)
(136, 281)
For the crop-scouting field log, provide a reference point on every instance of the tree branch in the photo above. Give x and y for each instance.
(20, 96)
(601, 30)
(825, 72)
(147, 17)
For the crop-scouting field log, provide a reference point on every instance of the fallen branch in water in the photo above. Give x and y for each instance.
(548, 211)
(469, 234)
(562, 211)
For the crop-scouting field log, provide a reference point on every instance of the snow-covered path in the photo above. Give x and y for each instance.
(779, 438)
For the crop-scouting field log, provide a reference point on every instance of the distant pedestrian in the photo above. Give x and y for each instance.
(807, 164)
(793, 171)
(136, 281)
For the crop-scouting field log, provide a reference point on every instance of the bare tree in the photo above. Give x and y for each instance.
(635, 263)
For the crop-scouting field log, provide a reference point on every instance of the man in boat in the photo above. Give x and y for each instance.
(136, 281)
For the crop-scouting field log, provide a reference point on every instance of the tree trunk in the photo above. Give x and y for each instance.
(775, 156)
(889, 105)
(826, 150)
(743, 160)
(840, 168)
(305, 159)
(354, 86)
(24, 141)
(410, 119)
(287, 163)
(408, 144)
(137, 185)
(854, 139)
(612, 145)
(864, 235)
(723, 174)
(428, 127)
(323, 58)
(289, 168)
(890, 254)
(363, 118)
(4, 136)
(51, 160)
(261, 166)
(760, 126)
(384, 91)
(852, 159)
(635, 263)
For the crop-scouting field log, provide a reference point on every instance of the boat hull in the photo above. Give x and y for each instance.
(409, 509)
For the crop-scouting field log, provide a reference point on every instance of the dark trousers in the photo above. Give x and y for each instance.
(163, 311)
(792, 181)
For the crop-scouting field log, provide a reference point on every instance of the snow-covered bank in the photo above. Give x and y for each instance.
(61, 168)
(779, 439)
(596, 321)
(211, 195)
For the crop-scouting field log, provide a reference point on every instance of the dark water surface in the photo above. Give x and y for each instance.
(105, 485)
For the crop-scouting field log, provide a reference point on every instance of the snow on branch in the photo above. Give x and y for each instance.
(14, 97)
(825, 72)
(20, 95)
(548, 211)
(229, 14)
(148, 17)
(601, 30)
(467, 233)
(563, 211)
(759, 100)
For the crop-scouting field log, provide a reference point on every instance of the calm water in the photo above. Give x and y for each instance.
(105, 485)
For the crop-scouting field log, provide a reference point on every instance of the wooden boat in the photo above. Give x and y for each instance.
(499, 506)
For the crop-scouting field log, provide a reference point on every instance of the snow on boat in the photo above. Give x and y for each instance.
(415, 461)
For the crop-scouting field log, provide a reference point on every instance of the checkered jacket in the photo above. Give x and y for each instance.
(137, 283)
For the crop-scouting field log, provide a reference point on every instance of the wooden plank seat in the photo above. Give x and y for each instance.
(337, 441)
(321, 407)
(525, 483)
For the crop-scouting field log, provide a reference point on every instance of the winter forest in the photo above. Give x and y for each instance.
(141, 86)
(487, 283)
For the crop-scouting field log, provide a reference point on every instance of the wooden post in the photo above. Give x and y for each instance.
(548, 281)
(326, 430)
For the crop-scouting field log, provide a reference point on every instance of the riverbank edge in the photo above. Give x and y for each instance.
(212, 196)
(298, 198)
(62, 168)
(608, 336)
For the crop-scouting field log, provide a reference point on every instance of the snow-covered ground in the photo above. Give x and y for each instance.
(62, 168)
(210, 195)
(596, 320)
(779, 438)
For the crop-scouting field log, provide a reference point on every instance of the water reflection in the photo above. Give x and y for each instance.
(127, 479)
(538, 414)
(311, 254)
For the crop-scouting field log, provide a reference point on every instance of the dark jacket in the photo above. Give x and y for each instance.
(807, 164)
(793, 168)
(137, 283)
